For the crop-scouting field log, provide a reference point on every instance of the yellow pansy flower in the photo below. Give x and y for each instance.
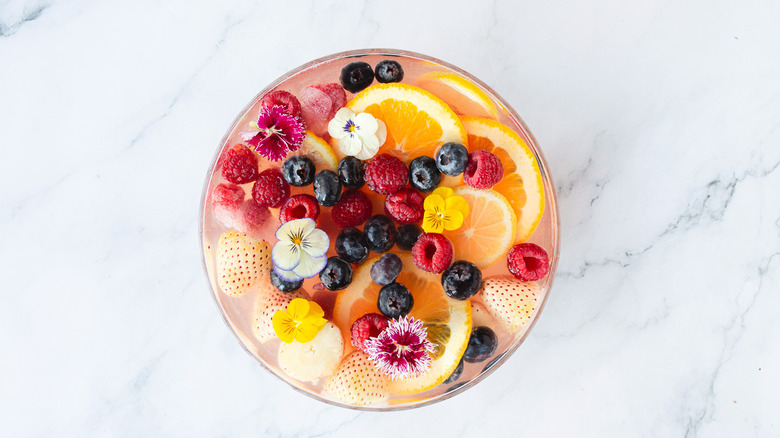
(444, 211)
(301, 322)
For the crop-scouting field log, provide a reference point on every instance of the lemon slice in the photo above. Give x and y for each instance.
(459, 93)
(448, 321)
(319, 151)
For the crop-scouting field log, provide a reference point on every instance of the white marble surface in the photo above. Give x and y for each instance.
(661, 124)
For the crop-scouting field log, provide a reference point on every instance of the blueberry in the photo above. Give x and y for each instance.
(385, 270)
(351, 172)
(407, 235)
(356, 76)
(389, 71)
(461, 280)
(455, 374)
(351, 245)
(327, 188)
(298, 171)
(452, 158)
(284, 285)
(482, 345)
(394, 300)
(423, 174)
(380, 233)
(337, 274)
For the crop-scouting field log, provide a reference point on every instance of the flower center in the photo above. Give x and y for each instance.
(297, 240)
(440, 216)
(350, 126)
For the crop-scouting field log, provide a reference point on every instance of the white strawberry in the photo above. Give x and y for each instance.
(317, 358)
(511, 301)
(269, 301)
(357, 382)
(242, 262)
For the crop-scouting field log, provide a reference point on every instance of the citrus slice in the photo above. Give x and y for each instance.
(522, 182)
(463, 96)
(447, 320)
(417, 121)
(488, 231)
(319, 151)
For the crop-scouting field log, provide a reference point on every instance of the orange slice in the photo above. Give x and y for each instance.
(417, 121)
(522, 182)
(447, 320)
(488, 231)
(462, 95)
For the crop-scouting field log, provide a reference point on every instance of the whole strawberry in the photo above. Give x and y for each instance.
(242, 262)
(510, 301)
(357, 382)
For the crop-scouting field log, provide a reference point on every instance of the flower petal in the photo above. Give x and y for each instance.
(366, 124)
(298, 308)
(369, 141)
(284, 326)
(287, 275)
(310, 266)
(367, 152)
(444, 192)
(457, 203)
(307, 331)
(453, 219)
(434, 202)
(285, 255)
(381, 132)
(350, 145)
(431, 223)
(316, 243)
(316, 311)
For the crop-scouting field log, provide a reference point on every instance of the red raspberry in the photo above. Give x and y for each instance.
(240, 165)
(432, 252)
(270, 189)
(227, 195)
(483, 171)
(353, 209)
(367, 326)
(405, 206)
(386, 174)
(299, 207)
(282, 98)
(528, 262)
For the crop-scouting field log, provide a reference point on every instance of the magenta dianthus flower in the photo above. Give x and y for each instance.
(275, 134)
(402, 350)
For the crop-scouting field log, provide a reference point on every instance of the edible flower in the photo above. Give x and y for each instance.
(359, 135)
(302, 320)
(444, 211)
(275, 134)
(402, 350)
(300, 251)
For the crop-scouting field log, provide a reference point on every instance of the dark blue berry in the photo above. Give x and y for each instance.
(284, 285)
(423, 174)
(452, 158)
(327, 188)
(461, 280)
(351, 245)
(406, 236)
(351, 172)
(298, 171)
(482, 345)
(356, 76)
(389, 71)
(337, 274)
(455, 374)
(380, 233)
(394, 300)
(385, 270)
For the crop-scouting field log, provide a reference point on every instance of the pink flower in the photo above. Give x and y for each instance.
(402, 350)
(275, 134)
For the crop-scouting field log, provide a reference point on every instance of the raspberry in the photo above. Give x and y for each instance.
(226, 202)
(367, 326)
(432, 252)
(386, 174)
(270, 189)
(405, 206)
(299, 207)
(240, 165)
(483, 171)
(353, 209)
(282, 98)
(528, 262)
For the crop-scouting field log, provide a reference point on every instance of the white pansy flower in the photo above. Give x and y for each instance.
(300, 251)
(359, 135)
